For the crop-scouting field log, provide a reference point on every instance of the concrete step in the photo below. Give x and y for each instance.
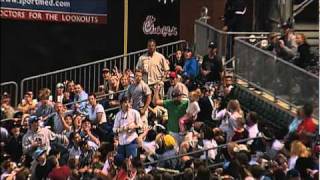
(300, 26)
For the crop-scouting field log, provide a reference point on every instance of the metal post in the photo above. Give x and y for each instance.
(125, 34)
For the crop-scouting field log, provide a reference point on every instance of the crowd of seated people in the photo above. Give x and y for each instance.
(71, 136)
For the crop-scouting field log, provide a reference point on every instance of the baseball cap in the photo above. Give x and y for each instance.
(187, 49)
(105, 70)
(5, 95)
(212, 45)
(38, 153)
(33, 119)
(59, 85)
(172, 74)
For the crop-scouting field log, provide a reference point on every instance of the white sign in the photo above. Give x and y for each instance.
(150, 29)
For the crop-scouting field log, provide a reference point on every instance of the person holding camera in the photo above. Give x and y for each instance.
(126, 123)
(39, 137)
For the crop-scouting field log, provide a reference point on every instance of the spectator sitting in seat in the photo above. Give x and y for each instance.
(70, 85)
(106, 78)
(6, 109)
(27, 105)
(80, 96)
(177, 62)
(191, 66)
(45, 106)
(59, 96)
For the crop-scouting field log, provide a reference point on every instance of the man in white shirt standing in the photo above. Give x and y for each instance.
(126, 123)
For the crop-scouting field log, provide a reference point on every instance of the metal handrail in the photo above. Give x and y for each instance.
(229, 32)
(239, 39)
(16, 90)
(93, 63)
(301, 7)
(198, 151)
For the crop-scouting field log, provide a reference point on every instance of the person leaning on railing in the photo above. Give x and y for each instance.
(304, 57)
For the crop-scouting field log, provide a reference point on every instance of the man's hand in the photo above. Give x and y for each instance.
(225, 28)
(281, 43)
(35, 144)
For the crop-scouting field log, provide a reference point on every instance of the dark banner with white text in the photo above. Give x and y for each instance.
(79, 11)
(153, 19)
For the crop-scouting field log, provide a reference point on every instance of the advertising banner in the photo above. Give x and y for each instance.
(70, 11)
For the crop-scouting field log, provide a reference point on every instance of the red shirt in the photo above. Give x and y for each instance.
(307, 125)
(60, 173)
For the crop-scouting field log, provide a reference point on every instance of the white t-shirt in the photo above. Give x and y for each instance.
(149, 147)
(193, 109)
(292, 162)
(92, 112)
(210, 144)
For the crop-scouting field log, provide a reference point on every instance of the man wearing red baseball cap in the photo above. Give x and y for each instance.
(175, 84)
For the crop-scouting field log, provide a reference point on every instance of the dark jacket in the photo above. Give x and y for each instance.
(304, 57)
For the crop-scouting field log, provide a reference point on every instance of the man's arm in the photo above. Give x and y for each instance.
(148, 99)
(157, 99)
(116, 125)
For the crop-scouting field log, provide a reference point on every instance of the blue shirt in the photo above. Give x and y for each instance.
(294, 125)
(191, 68)
(82, 97)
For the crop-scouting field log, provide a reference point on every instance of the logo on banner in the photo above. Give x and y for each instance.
(149, 28)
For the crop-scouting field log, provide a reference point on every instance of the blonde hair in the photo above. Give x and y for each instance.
(235, 106)
(299, 149)
(195, 95)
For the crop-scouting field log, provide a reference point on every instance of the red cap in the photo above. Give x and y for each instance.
(172, 74)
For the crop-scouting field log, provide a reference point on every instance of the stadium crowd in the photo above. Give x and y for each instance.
(139, 119)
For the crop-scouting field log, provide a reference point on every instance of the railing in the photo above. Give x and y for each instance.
(299, 8)
(11, 88)
(89, 74)
(281, 79)
(204, 33)
(205, 151)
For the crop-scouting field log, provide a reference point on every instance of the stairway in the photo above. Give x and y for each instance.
(310, 30)
(306, 15)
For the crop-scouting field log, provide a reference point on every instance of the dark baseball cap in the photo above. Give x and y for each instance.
(33, 119)
(187, 49)
(286, 25)
(212, 45)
